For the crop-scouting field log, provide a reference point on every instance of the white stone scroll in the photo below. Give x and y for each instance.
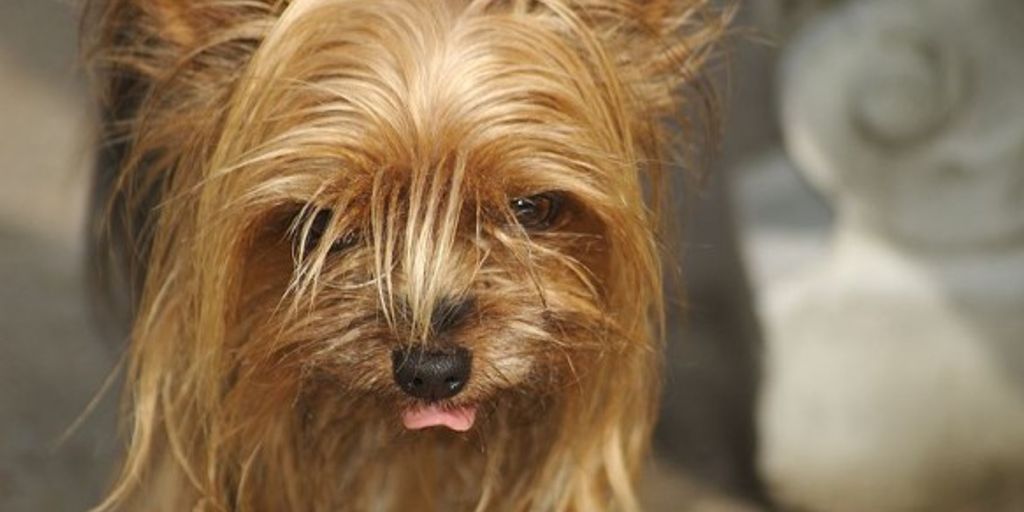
(894, 376)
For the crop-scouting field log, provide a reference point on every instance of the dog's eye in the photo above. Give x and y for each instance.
(317, 229)
(537, 212)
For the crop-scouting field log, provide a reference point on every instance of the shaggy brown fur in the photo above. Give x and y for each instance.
(303, 186)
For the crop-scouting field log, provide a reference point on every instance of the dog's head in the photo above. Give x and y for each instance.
(394, 215)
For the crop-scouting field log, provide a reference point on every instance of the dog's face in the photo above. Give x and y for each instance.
(448, 215)
(386, 216)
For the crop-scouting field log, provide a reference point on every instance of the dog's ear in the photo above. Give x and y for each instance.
(176, 22)
(169, 32)
(661, 45)
(158, 68)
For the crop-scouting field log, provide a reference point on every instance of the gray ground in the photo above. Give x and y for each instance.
(52, 361)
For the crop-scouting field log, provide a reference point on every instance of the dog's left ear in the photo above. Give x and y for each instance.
(660, 45)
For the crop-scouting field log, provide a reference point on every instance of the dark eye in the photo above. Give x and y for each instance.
(537, 212)
(317, 230)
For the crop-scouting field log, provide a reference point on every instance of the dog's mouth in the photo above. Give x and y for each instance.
(459, 419)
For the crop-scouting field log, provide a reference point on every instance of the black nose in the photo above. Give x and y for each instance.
(431, 374)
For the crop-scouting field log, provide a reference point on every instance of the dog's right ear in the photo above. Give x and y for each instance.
(153, 35)
(159, 68)
(176, 22)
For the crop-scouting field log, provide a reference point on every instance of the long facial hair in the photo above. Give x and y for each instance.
(301, 187)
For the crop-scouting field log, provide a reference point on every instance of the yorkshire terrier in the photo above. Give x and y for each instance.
(390, 254)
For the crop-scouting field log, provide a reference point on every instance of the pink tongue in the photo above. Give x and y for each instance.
(459, 419)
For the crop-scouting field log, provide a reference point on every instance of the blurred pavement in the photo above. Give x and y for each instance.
(51, 364)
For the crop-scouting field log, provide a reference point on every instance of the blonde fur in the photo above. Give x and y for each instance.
(258, 372)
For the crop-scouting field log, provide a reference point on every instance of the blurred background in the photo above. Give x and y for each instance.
(851, 338)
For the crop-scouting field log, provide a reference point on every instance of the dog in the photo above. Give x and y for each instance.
(389, 254)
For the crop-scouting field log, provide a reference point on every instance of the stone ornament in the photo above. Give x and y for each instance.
(895, 367)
